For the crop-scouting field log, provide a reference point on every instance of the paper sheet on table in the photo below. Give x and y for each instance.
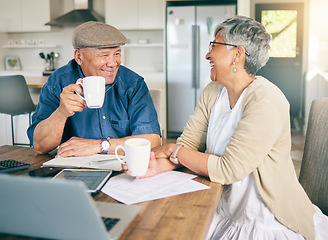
(78, 162)
(129, 190)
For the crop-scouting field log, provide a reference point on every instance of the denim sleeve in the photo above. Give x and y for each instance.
(48, 102)
(142, 112)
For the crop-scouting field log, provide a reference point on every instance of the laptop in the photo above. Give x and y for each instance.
(58, 209)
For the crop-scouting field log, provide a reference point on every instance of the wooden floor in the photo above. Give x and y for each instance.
(298, 140)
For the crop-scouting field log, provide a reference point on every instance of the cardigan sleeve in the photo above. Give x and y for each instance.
(262, 125)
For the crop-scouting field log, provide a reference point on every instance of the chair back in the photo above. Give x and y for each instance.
(15, 97)
(156, 97)
(314, 169)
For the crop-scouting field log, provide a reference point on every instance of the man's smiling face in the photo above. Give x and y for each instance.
(102, 62)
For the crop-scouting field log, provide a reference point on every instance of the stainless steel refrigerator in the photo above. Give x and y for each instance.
(189, 29)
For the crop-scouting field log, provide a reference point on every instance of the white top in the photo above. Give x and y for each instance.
(241, 213)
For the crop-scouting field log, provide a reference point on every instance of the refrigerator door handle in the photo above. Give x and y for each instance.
(195, 56)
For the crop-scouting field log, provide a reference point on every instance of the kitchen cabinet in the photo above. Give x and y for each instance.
(24, 15)
(33, 46)
(135, 14)
(9, 15)
(146, 45)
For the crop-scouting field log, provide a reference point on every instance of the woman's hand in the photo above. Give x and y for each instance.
(164, 151)
(159, 161)
(152, 168)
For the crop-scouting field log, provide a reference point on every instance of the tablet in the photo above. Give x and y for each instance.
(93, 179)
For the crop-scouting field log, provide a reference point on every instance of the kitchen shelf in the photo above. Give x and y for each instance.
(32, 46)
(130, 45)
(144, 45)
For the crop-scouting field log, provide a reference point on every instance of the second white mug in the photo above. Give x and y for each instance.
(93, 90)
(137, 154)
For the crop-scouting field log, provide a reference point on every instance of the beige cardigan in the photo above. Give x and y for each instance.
(260, 145)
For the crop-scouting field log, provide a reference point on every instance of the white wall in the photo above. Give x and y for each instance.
(318, 36)
(316, 84)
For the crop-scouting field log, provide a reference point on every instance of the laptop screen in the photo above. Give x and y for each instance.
(56, 209)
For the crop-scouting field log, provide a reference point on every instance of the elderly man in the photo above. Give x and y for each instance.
(62, 118)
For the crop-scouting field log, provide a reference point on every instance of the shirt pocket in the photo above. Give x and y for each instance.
(121, 127)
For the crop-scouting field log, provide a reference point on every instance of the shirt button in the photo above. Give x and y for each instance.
(104, 117)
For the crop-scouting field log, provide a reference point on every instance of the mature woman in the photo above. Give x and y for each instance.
(242, 123)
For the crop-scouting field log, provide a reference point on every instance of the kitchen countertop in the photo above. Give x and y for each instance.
(34, 79)
(21, 72)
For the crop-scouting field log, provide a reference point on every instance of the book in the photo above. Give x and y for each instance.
(96, 161)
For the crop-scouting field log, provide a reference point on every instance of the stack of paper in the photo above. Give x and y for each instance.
(97, 161)
(128, 190)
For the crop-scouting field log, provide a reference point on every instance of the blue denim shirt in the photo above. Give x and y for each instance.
(128, 108)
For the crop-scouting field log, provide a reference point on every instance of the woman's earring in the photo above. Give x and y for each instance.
(233, 68)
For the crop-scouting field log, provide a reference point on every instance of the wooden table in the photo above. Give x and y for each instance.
(185, 216)
(36, 82)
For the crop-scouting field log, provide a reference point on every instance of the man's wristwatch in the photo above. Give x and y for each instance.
(105, 146)
(173, 157)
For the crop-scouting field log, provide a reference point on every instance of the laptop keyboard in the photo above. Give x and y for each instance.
(110, 222)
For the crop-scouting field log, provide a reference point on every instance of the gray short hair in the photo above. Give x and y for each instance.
(246, 32)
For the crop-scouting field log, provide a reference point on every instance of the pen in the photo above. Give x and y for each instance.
(99, 162)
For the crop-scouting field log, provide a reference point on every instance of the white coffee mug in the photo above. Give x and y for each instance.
(137, 154)
(93, 90)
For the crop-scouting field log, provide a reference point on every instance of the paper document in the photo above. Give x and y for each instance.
(128, 190)
(97, 161)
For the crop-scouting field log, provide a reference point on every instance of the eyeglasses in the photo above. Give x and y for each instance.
(226, 44)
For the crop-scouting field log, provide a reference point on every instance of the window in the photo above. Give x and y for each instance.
(282, 26)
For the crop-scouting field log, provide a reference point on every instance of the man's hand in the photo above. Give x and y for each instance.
(70, 102)
(79, 147)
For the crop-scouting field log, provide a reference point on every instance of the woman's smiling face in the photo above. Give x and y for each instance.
(102, 62)
(220, 59)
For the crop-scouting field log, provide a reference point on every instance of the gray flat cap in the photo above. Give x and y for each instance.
(97, 35)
